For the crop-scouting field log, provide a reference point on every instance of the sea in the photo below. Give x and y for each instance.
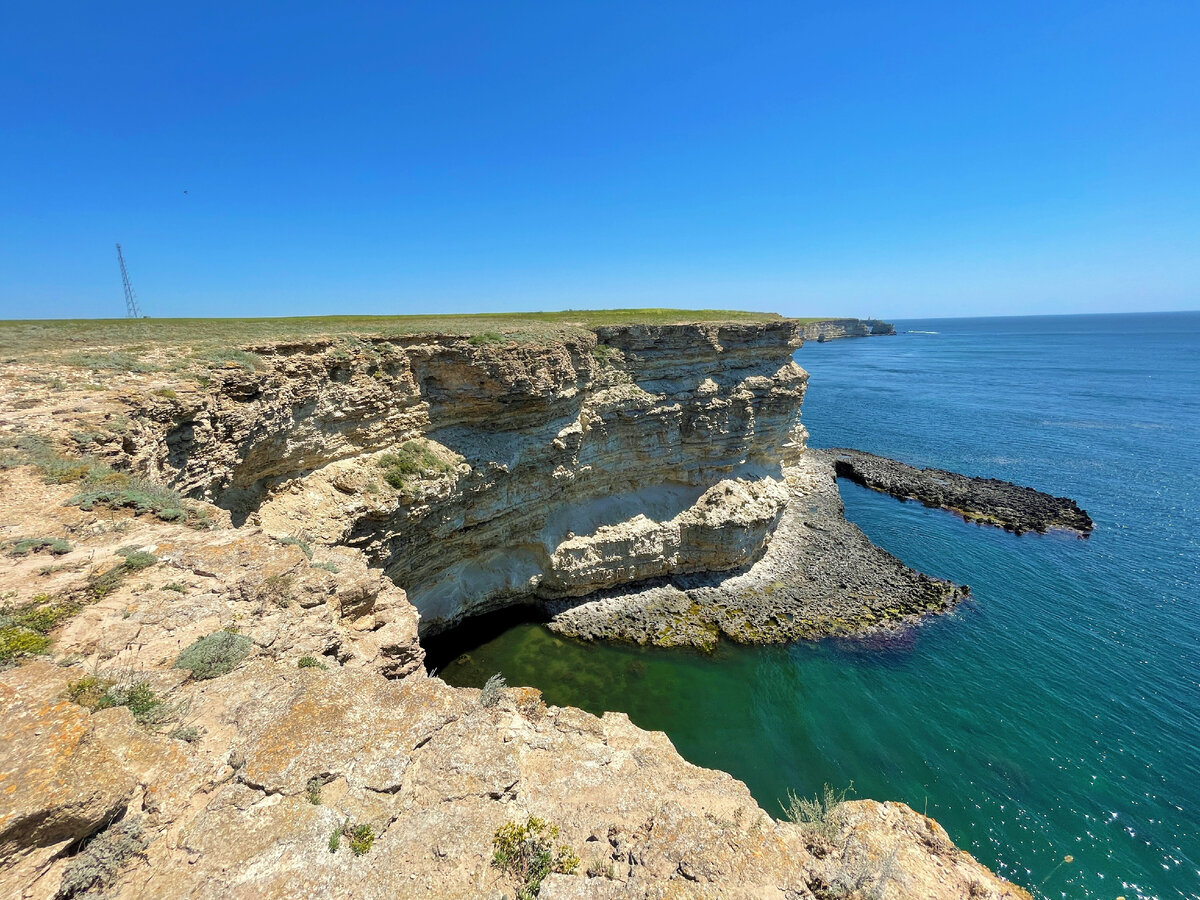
(1052, 722)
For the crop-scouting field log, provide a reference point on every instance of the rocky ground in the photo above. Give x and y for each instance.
(988, 501)
(236, 785)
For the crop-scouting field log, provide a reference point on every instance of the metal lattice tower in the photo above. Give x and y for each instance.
(131, 304)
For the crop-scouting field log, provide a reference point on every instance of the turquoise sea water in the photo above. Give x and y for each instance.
(1057, 713)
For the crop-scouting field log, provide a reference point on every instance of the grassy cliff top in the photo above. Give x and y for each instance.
(23, 337)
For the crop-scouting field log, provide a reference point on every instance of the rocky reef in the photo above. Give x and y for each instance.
(216, 578)
(988, 501)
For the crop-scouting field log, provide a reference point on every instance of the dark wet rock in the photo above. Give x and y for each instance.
(985, 500)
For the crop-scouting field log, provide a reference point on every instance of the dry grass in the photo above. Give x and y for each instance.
(119, 343)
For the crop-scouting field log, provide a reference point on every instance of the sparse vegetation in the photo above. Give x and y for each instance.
(276, 589)
(328, 567)
(819, 816)
(490, 695)
(227, 357)
(486, 337)
(414, 459)
(293, 540)
(313, 789)
(527, 853)
(310, 662)
(176, 587)
(148, 707)
(166, 393)
(214, 655)
(605, 356)
(187, 733)
(360, 837)
(101, 584)
(25, 546)
(97, 864)
(24, 628)
(115, 360)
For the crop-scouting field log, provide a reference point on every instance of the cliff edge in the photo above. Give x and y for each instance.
(218, 563)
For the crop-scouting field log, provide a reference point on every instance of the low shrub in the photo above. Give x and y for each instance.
(328, 567)
(114, 360)
(148, 708)
(527, 853)
(41, 614)
(820, 815)
(125, 492)
(309, 662)
(17, 643)
(293, 540)
(486, 337)
(360, 838)
(490, 695)
(214, 655)
(24, 546)
(97, 864)
(412, 460)
(313, 789)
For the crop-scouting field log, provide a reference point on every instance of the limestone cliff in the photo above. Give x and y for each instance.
(834, 329)
(521, 471)
(313, 755)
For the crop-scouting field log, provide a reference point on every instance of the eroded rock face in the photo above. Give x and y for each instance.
(241, 789)
(534, 471)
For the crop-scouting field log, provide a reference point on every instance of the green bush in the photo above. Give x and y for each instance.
(412, 460)
(102, 858)
(23, 546)
(215, 654)
(361, 839)
(148, 708)
(16, 643)
(490, 695)
(820, 815)
(41, 614)
(328, 567)
(309, 662)
(527, 853)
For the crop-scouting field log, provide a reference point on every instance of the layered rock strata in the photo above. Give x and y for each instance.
(327, 763)
(522, 472)
(988, 501)
(835, 329)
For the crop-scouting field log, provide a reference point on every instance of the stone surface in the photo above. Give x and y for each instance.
(988, 501)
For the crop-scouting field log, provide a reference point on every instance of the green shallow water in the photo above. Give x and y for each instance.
(1056, 713)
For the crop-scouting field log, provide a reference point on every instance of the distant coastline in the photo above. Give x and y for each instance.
(835, 329)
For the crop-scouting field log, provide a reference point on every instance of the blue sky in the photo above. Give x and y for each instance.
(891, 159)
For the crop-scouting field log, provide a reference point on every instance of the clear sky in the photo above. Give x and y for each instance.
(896, 159)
